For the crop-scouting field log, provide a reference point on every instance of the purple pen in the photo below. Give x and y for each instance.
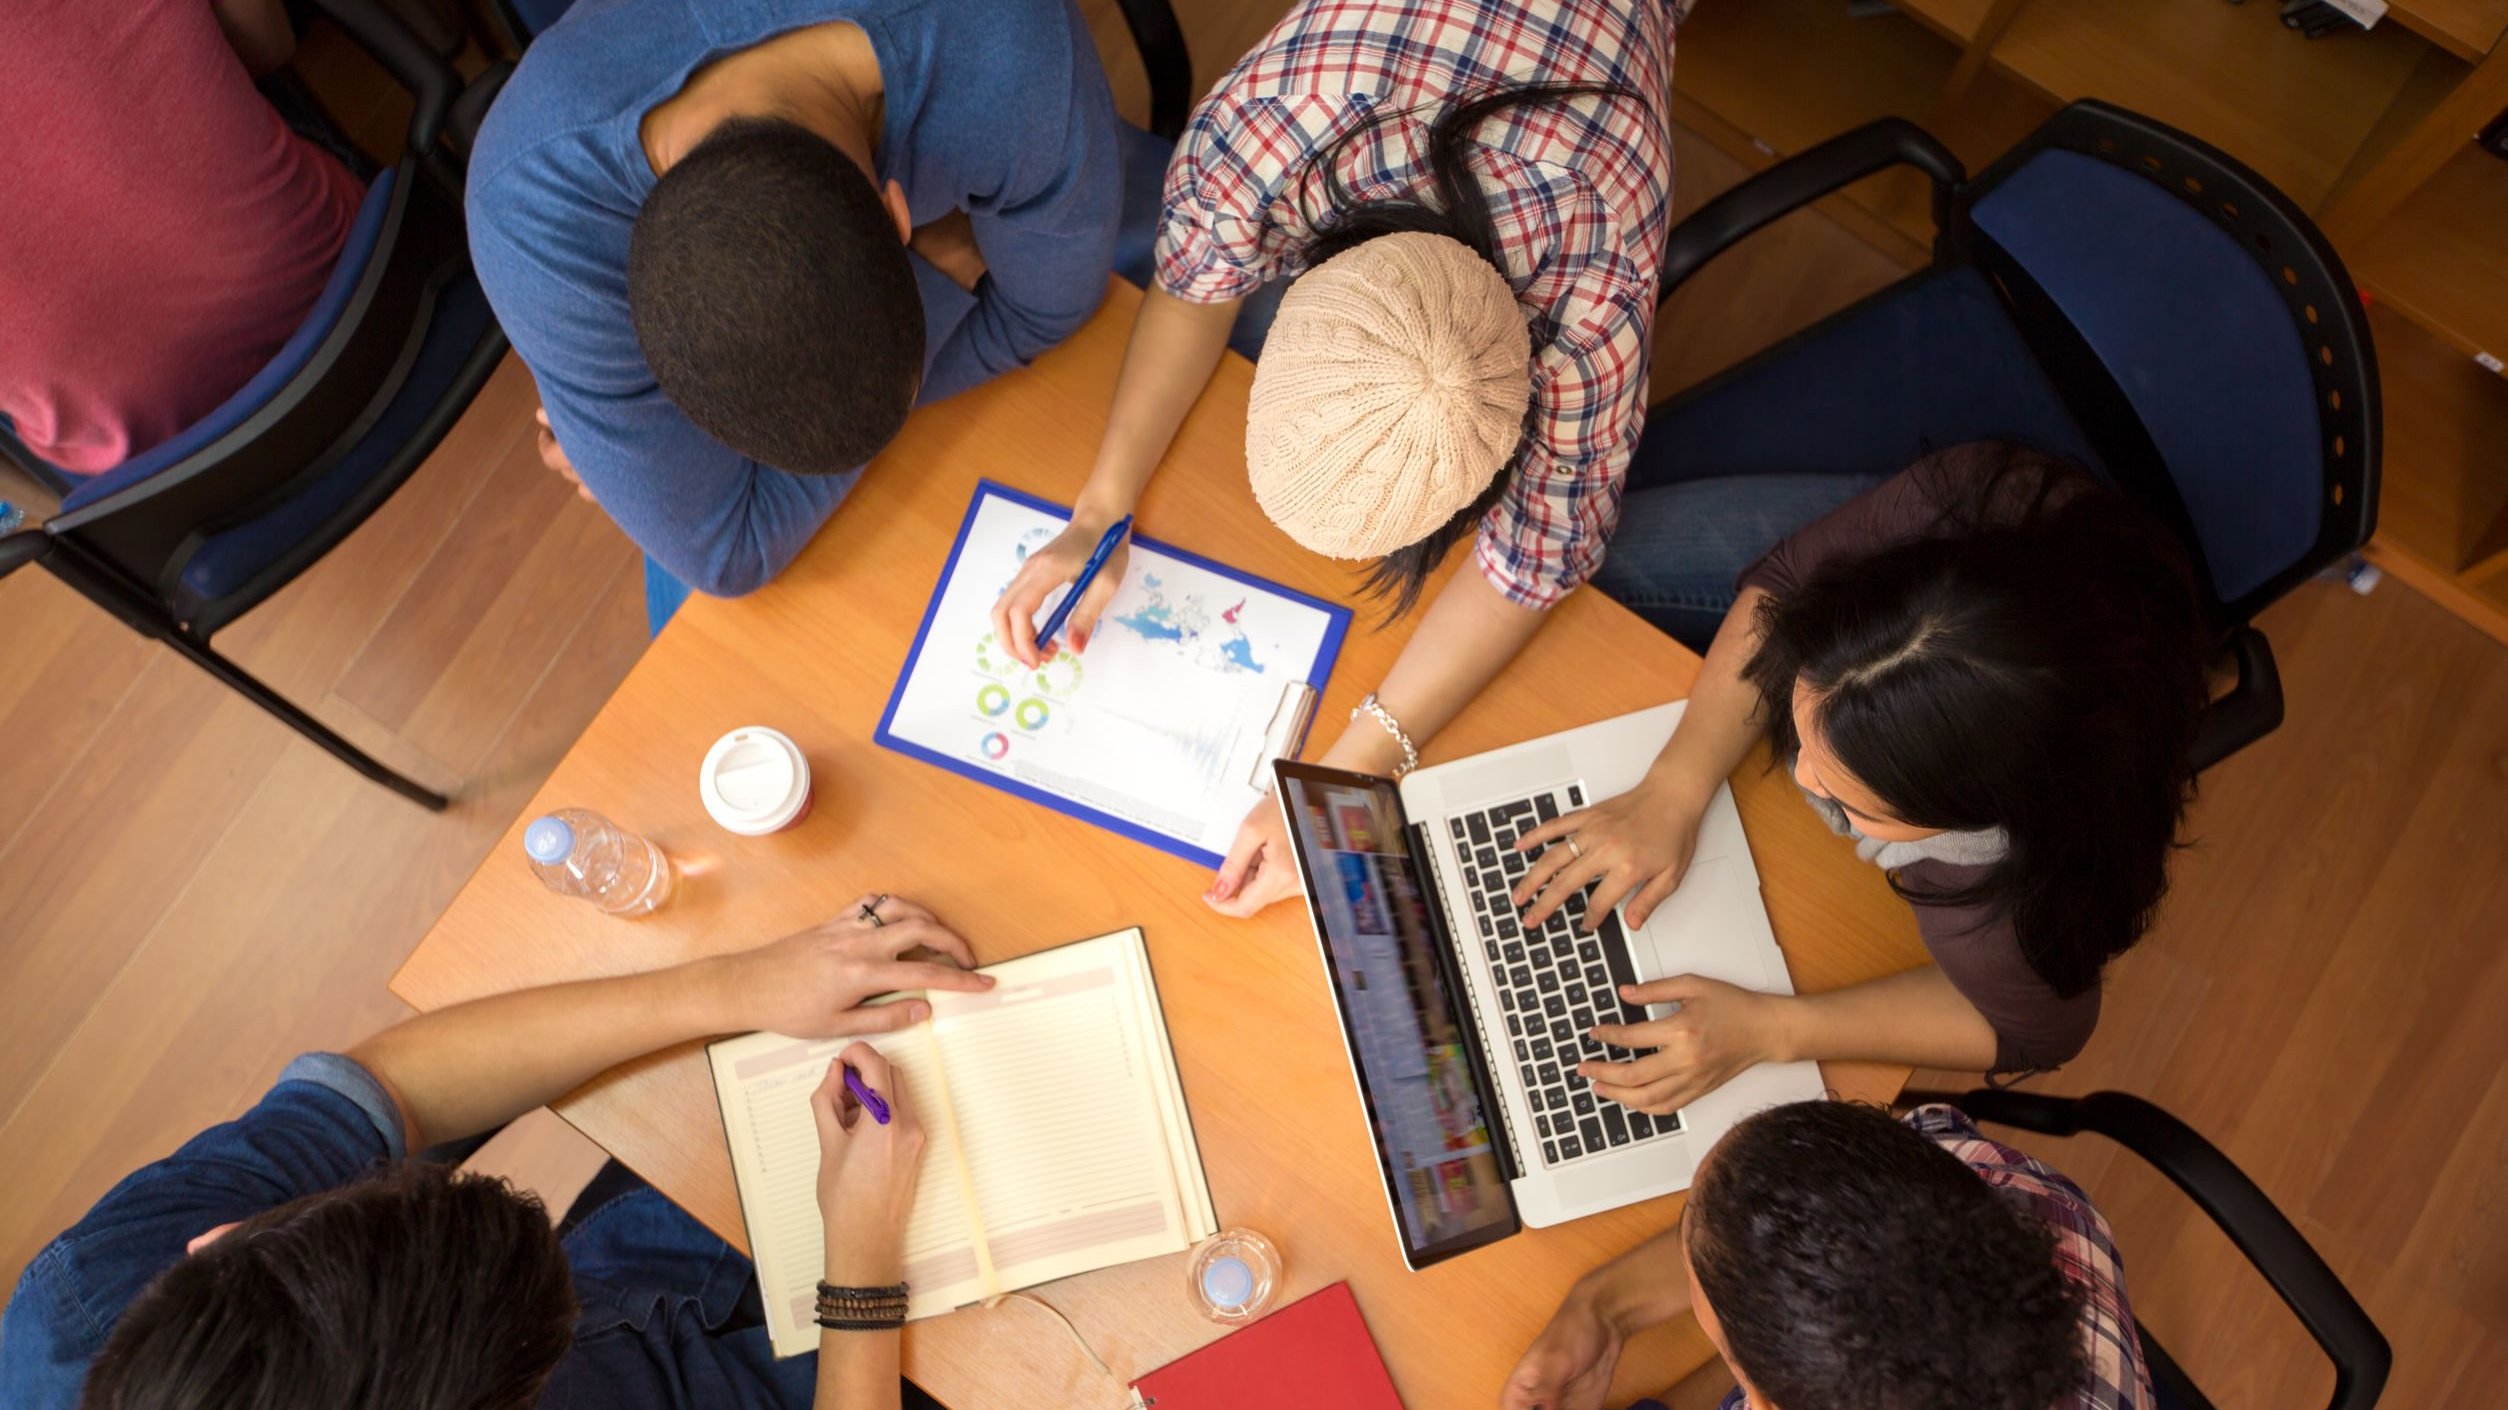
(870, 1100)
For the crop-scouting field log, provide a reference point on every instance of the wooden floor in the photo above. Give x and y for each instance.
(189, 894)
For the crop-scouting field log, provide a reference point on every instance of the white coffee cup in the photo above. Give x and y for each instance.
(755, 781)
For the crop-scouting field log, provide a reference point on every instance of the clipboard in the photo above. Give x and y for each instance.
(1263, 723)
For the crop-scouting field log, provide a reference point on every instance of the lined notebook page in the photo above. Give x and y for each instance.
(1068, 1107)
(1071, 1132)
(763, 1083)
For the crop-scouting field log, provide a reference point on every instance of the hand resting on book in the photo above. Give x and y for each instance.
(813, 984)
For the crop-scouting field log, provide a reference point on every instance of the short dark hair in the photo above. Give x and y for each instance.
(1852, 1261)
(418, 1289)
(773, 300)
(2034, 663)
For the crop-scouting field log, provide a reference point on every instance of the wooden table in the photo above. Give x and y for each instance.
(1281, 1131)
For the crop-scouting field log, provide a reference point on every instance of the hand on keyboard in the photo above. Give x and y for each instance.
(1719, 1031)
(1633, 848)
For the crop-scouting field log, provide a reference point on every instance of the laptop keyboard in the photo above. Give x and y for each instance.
(1553, 984)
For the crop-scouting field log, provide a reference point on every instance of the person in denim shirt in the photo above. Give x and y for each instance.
(298, 1256)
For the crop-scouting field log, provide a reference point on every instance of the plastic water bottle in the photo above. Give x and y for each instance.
(10, 517)
(581, 853)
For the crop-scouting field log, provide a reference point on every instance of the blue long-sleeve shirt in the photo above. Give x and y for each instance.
(994, 107)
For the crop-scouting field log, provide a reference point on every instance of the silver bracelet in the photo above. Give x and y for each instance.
(1410, 751)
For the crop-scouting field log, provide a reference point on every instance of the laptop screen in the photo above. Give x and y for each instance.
(1423, 1090)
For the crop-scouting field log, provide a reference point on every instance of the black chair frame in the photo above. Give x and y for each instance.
(127, 551)
(2323, 303)
(2293, 1268)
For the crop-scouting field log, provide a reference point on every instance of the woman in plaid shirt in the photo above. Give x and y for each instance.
(1385, 138)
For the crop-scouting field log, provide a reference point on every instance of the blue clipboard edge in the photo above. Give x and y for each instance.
(1319, 671)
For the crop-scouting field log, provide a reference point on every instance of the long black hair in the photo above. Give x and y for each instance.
(1454, 206)
(1853, 1261)
(2036, 663)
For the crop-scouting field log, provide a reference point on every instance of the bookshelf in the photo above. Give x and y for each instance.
(2467, 29)
(2442, 256)
(2221, 72)
(2371, 132)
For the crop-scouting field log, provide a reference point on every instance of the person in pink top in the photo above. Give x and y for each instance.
(165, 230)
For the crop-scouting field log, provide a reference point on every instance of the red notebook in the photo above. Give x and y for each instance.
(1314, 1354)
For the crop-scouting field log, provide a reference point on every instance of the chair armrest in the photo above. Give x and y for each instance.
(2278, 1250)
(1164, 58)
(1802, 179)
(408, 58)
(2251, 710)
(23, 547)
(471, 108)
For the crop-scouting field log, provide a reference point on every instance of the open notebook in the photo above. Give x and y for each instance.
(1056, 1137)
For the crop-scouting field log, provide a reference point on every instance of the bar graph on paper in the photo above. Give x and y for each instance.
(1166, 724)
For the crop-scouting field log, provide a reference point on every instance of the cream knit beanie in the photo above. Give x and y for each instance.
(1391, 390)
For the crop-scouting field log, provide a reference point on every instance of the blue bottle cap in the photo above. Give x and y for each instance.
(549, 840)
(1227, 1282)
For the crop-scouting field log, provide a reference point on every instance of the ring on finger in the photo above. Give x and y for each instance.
(871, 910)
(1573, 850)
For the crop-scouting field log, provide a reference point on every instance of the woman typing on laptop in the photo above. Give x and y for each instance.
(1987, 672)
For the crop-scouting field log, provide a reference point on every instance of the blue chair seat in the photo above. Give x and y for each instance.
(1931, 362)
(229, 561)
(275, 374)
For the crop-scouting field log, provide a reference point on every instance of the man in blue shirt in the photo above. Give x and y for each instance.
(294, 1259)
(736, 240)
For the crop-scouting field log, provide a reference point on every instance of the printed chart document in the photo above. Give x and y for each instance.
(1056, 1139)
(1195, 680)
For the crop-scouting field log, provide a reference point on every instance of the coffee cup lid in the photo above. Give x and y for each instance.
(754, 780)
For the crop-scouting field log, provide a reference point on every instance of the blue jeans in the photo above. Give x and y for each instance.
(1684, 538)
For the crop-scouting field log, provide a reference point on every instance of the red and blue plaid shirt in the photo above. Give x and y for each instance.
(1580, 191)
(2085, 1253)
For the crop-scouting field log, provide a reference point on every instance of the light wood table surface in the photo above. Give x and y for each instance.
(1279, 1122)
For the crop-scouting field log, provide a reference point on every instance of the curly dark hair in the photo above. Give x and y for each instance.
(773, 300)
(420, 1288)
(1854, 1262)
(2035, 662)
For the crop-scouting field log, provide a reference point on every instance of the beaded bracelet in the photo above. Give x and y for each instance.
(862, 1309)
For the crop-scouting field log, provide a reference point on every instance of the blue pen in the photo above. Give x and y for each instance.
(870, 1100)
(1079, 585)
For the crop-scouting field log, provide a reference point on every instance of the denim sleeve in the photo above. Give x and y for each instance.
(326, 1123)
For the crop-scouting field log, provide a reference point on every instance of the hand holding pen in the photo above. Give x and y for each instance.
(1092, 560)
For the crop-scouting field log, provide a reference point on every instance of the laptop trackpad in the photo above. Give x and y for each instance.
(1705, 928)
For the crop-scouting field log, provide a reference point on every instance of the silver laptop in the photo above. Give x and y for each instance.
(1464, 1029)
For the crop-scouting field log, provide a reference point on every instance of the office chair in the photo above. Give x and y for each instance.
(2279, 1251)
(184, 539)
(2112, 290)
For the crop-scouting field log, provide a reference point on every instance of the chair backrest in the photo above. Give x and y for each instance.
(306, 408)
(2214, 349)
(2297, 1274)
